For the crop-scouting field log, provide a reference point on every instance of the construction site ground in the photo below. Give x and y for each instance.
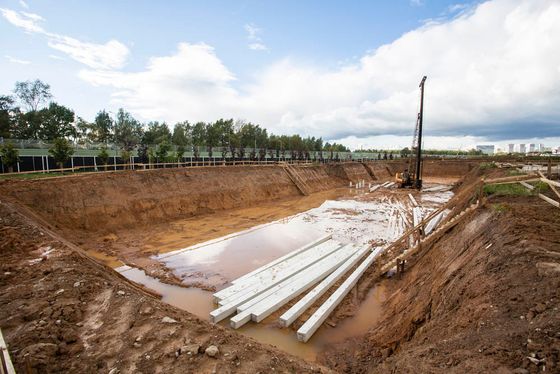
(483, 298)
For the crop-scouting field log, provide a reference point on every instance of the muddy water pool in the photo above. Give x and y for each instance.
(378, 218)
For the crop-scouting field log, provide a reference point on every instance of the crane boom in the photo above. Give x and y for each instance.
(412, 177)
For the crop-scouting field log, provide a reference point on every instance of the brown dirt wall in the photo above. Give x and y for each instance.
(484, 298)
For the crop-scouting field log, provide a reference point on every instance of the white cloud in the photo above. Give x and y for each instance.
(111, 55)
(257, 47)
(255, 41)
(416, 2)
(23, 4)
(192, 81)
(27, 21)
(493, 73)
(17, 61)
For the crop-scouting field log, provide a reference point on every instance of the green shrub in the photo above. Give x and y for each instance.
(514, 172)
(61, 151)
(487, 165)
(510, 189)
(541, 187)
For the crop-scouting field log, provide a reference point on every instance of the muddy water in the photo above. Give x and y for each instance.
(220, 261)
(194, 300)
(199, 302)
(360, 219)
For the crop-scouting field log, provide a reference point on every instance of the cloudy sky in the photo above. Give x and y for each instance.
(346, 71)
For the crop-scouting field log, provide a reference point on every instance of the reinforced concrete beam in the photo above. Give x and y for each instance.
(246, 294)
(277, 296)
(312, 244)
(272, 271)
(304, 303)
(305, 282)
(321, 314)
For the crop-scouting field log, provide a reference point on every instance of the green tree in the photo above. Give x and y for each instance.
(102, 127)
(103, 156)
(128, 131)
(61, 151)
(125, 157)
(9, 155)
(182, 133)
(8, 114)
(57, 122)
(83, 129)
(156, 133)
(27, 125)
(405, 152)
(33, 94)
(198, 137)
(180, 152)
(162, 150)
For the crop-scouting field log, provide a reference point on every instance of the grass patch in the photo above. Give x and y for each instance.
(488, 165)
(32, 175)
(541, 187)
(510, 189)
(515, 172)
(500, 207)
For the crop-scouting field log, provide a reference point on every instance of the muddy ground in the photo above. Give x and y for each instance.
(483, 298)
(62, 312)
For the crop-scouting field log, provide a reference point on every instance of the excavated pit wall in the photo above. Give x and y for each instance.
(101, 202)
(386, 170)
(350, 171)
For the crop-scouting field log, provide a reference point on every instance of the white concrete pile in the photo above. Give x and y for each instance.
(263, 291)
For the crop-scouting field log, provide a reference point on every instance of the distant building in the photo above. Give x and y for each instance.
(542, 148)
(532, 148)
(522, 148)
(511, 148)
(487, 149)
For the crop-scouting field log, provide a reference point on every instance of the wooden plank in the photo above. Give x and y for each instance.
(527, 185)
(551, 183)
(412, 199)
(549, 200)
(515, 178)
(6, 357)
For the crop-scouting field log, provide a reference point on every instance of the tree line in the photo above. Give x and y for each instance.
(30, 113)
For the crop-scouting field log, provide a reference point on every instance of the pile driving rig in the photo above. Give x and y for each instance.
(412, 177)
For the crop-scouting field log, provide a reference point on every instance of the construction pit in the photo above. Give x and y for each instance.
(119, 272)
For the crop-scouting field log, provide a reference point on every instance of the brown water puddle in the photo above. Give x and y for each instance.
(190, 231)
(110, 261)
(199, 302)
(216, 263)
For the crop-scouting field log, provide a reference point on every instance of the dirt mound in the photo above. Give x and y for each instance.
(100, 201)
(62, 312)
(484, 298)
